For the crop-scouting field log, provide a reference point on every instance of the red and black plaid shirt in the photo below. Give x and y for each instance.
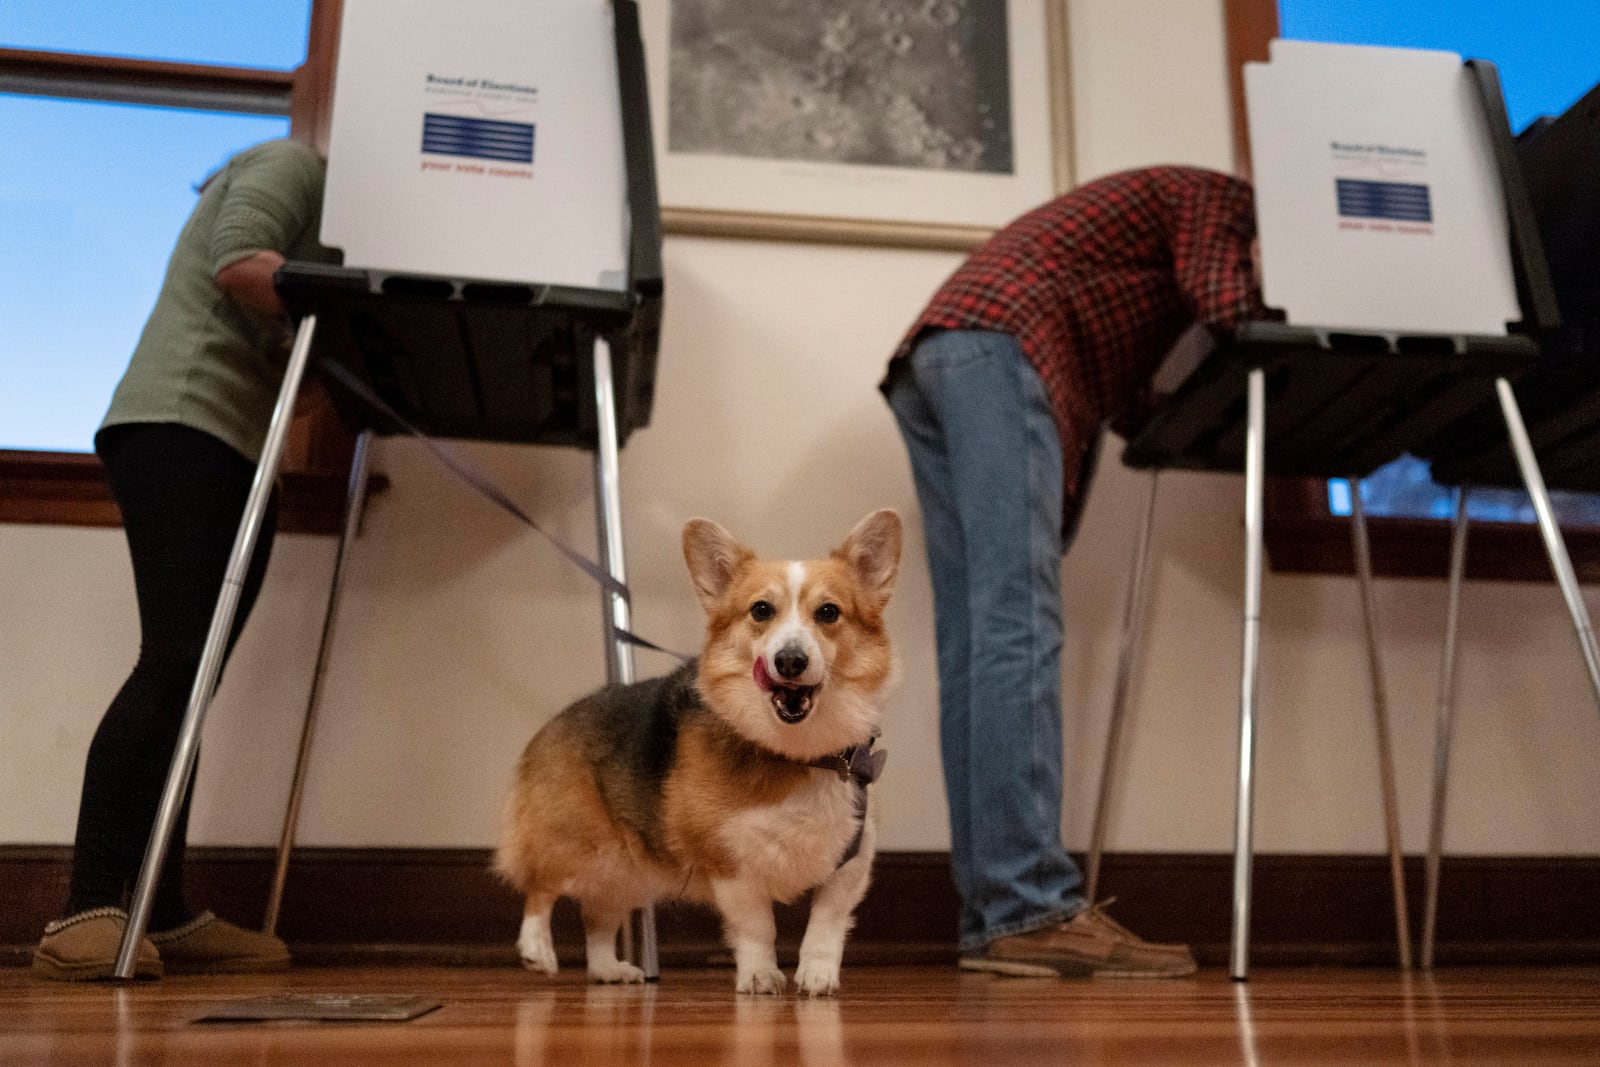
(1097, 285)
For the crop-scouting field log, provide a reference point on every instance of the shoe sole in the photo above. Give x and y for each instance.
(1176, 972)
(91, 971)
(1022, 969)
(1019, 969)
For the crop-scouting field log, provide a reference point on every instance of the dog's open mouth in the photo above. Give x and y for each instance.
(792, 703)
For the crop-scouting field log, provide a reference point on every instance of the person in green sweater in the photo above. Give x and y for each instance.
(180, 444)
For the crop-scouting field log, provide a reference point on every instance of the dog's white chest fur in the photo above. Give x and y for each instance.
(793, 845)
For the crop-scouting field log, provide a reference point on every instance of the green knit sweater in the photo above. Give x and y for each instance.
(203, 360)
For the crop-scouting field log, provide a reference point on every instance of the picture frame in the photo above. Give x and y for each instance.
(834, 122)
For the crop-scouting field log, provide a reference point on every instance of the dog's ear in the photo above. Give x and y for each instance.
(713, 554)
(873, 551)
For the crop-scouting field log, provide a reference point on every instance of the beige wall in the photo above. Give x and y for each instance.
(462, 632)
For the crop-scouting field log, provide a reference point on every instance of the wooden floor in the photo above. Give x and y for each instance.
(885, 1016)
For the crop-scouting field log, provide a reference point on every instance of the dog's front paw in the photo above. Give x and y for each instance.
(770, 982)
(817, 978)
(615, 972)
(537, 954)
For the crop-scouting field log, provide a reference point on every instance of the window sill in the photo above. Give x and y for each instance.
(69, 489)
(1302, 537)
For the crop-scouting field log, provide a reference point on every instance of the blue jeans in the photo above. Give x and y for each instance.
(987, 461)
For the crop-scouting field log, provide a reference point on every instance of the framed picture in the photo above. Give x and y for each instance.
(922, 123)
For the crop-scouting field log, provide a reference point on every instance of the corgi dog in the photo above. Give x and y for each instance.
(739, 780)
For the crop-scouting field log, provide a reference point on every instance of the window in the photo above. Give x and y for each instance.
(117, 112)
(86, 244)
(270, 34)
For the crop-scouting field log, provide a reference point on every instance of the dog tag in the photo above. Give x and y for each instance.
(866, 766)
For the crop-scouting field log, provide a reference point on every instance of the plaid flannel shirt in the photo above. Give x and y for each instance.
(1098, 284)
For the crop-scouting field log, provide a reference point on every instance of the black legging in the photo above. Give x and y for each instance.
(182, 493)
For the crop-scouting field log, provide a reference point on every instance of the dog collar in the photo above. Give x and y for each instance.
(861, 765)
(857, 763)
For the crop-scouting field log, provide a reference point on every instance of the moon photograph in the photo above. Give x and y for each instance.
(894, 83)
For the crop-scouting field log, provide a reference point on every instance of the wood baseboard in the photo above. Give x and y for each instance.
(444, 905)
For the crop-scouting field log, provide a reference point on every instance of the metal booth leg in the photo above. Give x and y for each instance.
(1380, 716)
(1560, 562)
(354, 506)
(210, 668)
(1443, 724)
(1250, 671)
(613, 607)
(1132, 622)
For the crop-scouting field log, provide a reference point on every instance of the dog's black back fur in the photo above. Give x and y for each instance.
(631, 738)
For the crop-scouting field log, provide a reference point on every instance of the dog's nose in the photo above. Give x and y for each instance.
(790, 661)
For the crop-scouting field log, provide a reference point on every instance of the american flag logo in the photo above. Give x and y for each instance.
(1401, 201)
(455, 135)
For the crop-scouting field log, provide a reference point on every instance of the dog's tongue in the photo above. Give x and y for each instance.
(791, 702)
(763, 679)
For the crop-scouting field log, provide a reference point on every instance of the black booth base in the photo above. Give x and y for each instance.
(477, 360)
(1337, 405)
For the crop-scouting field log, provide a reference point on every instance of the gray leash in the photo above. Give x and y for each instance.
(486, 488)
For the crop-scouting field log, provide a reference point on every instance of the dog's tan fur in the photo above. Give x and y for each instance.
(696, 786)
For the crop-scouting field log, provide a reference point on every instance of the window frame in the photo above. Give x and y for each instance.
(69, 488)
(1302, 534)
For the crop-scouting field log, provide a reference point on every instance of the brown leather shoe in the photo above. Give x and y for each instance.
(83, 947)
(209, 945)
(1090, 943)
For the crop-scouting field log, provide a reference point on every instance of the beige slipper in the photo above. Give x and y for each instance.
(209, 945)
(83, 947)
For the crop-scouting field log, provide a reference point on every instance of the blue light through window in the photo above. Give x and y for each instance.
(93, 195)
(86, 246)
(270, 34)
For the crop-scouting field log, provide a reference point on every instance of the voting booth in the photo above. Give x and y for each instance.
(491, 184)
(1558, 396)
(1398, 242)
